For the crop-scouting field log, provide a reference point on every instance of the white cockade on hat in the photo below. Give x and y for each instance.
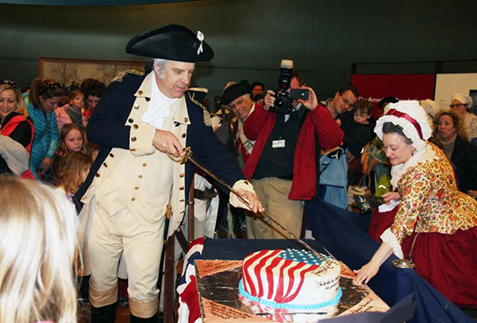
(411, 117)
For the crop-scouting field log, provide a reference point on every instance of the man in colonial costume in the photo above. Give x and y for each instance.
(141, 119)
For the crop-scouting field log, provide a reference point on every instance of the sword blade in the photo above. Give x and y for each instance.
(247, 203)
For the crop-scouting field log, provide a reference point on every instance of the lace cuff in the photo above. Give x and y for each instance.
(389, 238)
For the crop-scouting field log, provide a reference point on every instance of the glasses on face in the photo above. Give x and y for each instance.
(232, 106)
(51, 86)
(9, 83)
(452, 106)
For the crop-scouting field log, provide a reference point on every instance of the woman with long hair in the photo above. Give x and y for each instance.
(37, 248)
(41, 102)
(16, 131)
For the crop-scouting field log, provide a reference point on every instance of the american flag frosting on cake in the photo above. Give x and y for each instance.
(290, 278)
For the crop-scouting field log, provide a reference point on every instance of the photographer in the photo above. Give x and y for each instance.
(283, 165)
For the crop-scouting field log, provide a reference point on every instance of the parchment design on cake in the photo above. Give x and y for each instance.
(221, 313)
(371, 302)
(207, 268)
(346, 271)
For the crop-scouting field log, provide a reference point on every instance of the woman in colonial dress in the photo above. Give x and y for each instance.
(431, 212)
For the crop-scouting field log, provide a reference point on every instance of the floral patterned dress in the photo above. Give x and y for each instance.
(439, 220)
(431, 201)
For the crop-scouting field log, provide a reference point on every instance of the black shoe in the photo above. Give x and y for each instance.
(135, 319)
(105, 314)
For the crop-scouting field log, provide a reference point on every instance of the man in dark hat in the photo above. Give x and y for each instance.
(236, 97)
(133, 182)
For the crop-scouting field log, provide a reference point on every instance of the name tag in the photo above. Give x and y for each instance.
(278, 143)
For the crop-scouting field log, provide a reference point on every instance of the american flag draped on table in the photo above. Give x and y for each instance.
(189, 311)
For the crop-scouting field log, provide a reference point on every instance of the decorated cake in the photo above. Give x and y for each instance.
(290, 278)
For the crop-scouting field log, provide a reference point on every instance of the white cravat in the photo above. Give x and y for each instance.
(159, 107)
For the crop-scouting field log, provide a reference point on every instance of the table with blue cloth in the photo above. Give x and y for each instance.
(344, 234)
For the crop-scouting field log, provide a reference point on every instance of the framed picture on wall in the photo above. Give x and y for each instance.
(473, 95)
(73, 71)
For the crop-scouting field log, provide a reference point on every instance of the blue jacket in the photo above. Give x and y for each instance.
(46, 137)
(108, 127)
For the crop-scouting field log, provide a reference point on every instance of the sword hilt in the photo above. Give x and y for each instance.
(187, 156)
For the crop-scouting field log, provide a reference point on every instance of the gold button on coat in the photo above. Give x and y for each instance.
(186, 119)
(130, 120)
(133, 139)
(133, 199)
(135, 126)
(111, 155)
(181, 188)
(144, 165)
(183, 135)
(181, 175)
(140, 176)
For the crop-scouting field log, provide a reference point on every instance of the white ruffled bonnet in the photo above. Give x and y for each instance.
(411, 117)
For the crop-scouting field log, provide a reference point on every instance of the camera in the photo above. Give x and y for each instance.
(284, 96)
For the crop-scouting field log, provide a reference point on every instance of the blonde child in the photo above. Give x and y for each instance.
(37, 246)
(73, 172)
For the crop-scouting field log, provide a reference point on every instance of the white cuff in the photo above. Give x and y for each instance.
(388, 206)
(389, 238)
(244, 185)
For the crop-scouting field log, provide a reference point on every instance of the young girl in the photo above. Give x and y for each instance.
(72, 112)
(37, 244)
(72, 172)
(41, 103)
(71, 140)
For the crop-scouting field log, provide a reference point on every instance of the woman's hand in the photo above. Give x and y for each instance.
(366, 272)
(45, 164)
(389, 196)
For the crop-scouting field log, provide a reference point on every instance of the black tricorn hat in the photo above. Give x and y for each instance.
(234, 91)
(173, 42)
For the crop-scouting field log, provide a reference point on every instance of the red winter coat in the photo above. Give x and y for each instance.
(318, 123)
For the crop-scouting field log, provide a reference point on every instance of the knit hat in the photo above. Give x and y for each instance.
(411, 117)
(462, 98)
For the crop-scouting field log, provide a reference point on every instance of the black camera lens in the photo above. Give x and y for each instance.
(280, 102)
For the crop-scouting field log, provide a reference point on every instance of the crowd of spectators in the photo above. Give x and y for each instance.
(315, 150)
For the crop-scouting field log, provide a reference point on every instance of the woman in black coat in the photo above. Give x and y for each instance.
(449, 135)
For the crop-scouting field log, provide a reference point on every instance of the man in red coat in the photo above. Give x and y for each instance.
(284, 165)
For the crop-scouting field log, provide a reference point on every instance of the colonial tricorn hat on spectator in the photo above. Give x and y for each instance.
(233, 91)
(173, 42)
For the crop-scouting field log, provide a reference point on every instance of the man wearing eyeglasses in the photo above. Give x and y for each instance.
(461, 104)
(342, 101)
